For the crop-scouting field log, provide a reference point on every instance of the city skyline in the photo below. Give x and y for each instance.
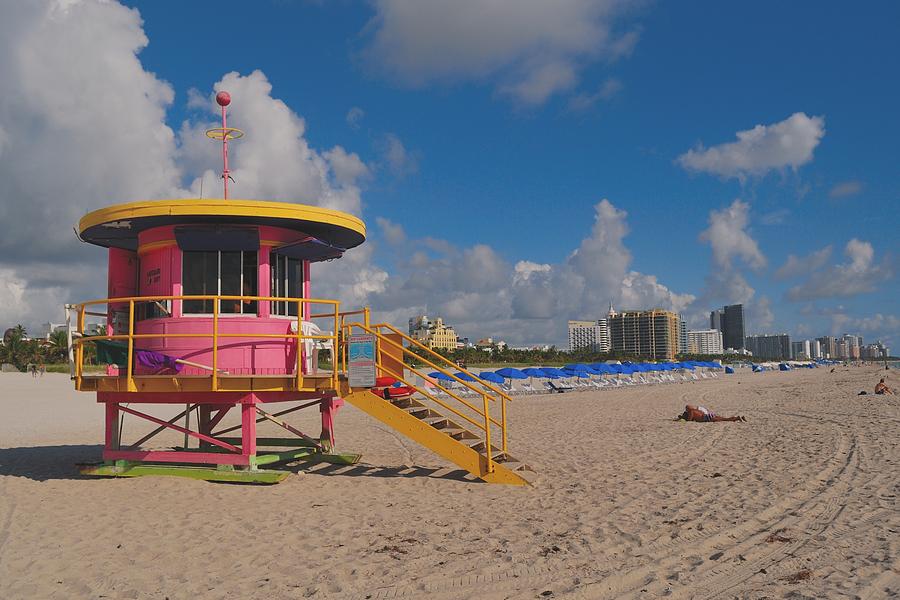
(630, 164)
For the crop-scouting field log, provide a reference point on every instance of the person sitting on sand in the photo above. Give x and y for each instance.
(881, 388)
(699, 414)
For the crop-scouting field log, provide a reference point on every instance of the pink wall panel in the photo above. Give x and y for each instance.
(261, 356)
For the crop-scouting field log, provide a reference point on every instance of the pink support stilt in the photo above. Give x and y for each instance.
(112, 426)
(328, 408)
(248, 427)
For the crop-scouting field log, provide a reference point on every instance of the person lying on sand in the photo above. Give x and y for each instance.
(882, 388)
(699, 414)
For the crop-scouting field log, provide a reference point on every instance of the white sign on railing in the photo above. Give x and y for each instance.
(361, 360)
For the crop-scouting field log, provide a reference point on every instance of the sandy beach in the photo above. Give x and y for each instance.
(800, 502)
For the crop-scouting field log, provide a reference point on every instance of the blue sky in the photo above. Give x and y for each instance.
(460, 140)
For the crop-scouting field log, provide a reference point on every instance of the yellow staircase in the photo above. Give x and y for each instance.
(455, 422)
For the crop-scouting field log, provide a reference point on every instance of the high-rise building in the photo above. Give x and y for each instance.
(589, 335)
(829, 346)
(705, 341)
(733, 326)
(730, 321)
(801, 350)
(775, 347)
(682, 335)
(651, 334)
(433, 333)
(874, 351)
(854, 342)
(815, 349)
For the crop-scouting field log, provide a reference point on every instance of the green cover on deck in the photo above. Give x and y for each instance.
(111, 352)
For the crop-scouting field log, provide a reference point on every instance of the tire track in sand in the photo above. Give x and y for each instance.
(666, 555)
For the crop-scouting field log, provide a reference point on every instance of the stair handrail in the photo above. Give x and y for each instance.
(381, 337)
(446, 360)
(487, 420)
(484, 394)
(465, 383)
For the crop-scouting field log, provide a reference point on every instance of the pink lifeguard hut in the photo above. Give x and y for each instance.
(210, 309)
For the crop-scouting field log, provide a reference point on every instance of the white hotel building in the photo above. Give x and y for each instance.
(705, 341)
(590, 335)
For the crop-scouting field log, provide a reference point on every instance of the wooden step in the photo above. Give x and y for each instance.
(405, 402)
(422, 412)
(458, 433)
(439, 422)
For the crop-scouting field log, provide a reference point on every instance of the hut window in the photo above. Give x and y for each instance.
(220, 273)
(287, 282)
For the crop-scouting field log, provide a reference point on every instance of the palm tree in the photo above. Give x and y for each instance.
(57, 350)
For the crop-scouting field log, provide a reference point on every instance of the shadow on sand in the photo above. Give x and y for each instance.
(363, 470)
(43, 463)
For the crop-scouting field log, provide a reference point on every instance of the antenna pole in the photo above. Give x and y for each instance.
(224, 133)
(223, 102)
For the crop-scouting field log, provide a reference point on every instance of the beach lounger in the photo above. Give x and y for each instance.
(528, 388)
(558, 387)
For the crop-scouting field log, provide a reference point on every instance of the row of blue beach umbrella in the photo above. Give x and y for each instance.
(575, 370)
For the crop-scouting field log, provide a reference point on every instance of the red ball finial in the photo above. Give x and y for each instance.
(223, 98)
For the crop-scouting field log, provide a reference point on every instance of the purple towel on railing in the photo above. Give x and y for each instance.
(154, 361)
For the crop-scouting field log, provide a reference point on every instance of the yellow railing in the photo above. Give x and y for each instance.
(215, 335)
(482, 418)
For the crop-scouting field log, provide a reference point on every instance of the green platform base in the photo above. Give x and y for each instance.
(224, 473)
(258, 476)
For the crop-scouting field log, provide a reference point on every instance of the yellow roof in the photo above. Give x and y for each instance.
(118, 225)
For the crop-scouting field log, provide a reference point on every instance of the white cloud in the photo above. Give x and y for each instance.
(799, 266)
(877, 327)
(788, 143)
(877, 323)
(53, 170)
(644, 291)
(481, 293)
(607, 90)
(760, 316)
(733, 250)
(81, 126)
(860, 275)
(524, 269)
(393, 232)
(400, 161)
(727, 235)
(274, 160)
(346, 166)
(845, 189)
(541, 82)
(533, 48)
